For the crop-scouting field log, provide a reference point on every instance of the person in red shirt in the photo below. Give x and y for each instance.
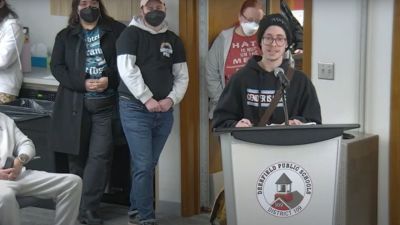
(231, 50)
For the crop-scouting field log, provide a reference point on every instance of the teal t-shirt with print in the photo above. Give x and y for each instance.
(95, 62)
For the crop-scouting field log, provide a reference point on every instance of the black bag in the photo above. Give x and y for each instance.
(218, 213)
(9, 163)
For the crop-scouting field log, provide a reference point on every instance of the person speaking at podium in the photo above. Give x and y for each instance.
(267, 90)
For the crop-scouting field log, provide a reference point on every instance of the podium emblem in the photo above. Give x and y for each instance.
(284, 189)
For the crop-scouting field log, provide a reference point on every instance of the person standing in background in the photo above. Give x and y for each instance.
(11, 41)
(232, 49)
(153, 69)
(84, 61)
(296, 29)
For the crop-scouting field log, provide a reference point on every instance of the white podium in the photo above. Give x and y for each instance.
(281, 175)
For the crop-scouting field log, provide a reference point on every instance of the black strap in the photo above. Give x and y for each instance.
(274, 102)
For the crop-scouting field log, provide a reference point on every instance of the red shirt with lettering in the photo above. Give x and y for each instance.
(241, 50)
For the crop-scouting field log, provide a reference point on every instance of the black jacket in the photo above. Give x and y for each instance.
(295, 26)
(68, 67)
(250, 91)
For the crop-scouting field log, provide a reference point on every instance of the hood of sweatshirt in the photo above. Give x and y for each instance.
(137, 21)
(253, 65)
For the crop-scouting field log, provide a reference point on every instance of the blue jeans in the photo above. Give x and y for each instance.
(146, 134)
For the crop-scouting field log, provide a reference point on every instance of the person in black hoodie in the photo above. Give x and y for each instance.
(84, 61)
(154, 77)
(250, 91)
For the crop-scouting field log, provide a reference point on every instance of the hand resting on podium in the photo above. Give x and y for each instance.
(244, 123)
(292, 122)
(247, 123)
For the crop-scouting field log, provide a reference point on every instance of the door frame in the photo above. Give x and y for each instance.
(190, 111)
(394, 195)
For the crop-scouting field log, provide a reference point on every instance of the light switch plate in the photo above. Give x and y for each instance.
(326, 71)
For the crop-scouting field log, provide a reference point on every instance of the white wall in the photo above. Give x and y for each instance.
(170, 161)
(337, 36)
(35, 14)
(43, 29)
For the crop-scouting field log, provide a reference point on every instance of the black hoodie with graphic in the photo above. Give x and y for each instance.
(250, 91)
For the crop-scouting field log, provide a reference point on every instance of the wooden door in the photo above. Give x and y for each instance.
(189, 111)
(222, 14)
(394, 195)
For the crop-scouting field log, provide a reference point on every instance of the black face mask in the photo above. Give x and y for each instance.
(155, 17)
(89, 14)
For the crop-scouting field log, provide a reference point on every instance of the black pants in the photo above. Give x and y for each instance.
(94, 160)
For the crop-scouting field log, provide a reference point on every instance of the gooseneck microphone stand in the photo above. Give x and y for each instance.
(284, 84)
(285, 109)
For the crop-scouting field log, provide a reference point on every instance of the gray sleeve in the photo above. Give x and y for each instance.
(214, 63)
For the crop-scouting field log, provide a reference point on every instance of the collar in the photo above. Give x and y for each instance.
(104, 27)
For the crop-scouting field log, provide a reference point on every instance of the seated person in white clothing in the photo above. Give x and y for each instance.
(16, 150)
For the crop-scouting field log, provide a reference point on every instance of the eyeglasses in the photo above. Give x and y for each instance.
(268, 40)
(250, 19)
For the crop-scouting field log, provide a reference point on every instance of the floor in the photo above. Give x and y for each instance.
(114, 215)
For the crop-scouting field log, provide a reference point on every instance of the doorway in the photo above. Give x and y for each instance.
(394, 197)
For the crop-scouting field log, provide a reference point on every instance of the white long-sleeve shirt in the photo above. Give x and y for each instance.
(12, 141)
(11, 41)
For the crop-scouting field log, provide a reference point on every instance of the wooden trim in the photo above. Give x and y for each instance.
(394, 193)
(189, 111)
(307, 37)
(274, 6)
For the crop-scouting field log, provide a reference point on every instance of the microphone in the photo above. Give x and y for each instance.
(280, 73)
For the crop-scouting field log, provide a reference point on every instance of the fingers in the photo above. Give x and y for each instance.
(244, 123)
(12, 176)
(99, 85)
(165, 104)
(295, 122)
(7, 174)
(91, 85)
(153, 106)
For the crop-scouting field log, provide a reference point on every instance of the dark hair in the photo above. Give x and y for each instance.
(6, 11)
(250, 3)
(74, 21)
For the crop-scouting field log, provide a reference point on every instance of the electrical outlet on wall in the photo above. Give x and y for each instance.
(326, 71)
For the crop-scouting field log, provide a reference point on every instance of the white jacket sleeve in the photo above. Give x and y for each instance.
(10, 43)
(132, 77)
(23, 145)
(181, 81)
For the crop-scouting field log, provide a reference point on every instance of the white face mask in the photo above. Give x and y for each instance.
(249, 28)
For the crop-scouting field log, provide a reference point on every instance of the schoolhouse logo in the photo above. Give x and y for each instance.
(284, 189)
(166, 49)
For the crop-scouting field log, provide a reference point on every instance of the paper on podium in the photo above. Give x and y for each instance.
(277, 124)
